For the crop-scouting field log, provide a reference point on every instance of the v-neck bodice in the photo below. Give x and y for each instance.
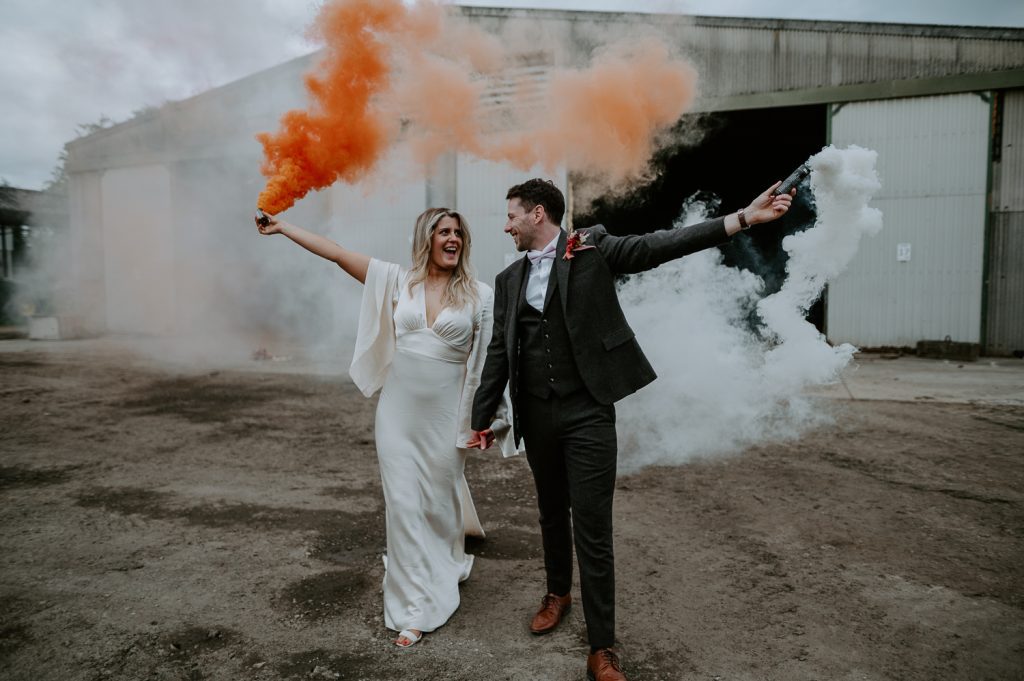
(453, 326)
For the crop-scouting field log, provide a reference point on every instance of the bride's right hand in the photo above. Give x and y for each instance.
(274, 226)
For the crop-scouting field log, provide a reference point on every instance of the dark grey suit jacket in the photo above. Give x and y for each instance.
(608, 358)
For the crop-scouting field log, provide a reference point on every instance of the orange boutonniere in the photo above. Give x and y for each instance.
(575, 242)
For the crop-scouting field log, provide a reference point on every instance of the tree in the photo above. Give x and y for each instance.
(58, 182)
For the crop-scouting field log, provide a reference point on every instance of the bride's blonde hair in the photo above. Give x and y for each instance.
(461, 288)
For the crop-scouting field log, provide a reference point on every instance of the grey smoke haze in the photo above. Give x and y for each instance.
(67, 63)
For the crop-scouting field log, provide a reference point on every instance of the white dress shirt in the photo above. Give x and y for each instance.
(537, 281)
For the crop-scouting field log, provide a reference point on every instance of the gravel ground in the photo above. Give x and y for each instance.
(162, 524)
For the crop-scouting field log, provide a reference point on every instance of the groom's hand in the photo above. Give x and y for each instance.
(768, 207)
(481, 439)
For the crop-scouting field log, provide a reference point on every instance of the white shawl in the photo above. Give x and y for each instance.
(375, 347)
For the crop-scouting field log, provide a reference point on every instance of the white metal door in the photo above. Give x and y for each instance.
(921, 277)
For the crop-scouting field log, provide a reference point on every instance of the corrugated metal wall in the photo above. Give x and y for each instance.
(742, 56)
(1004, 332)
(377, 218)
(933, 162)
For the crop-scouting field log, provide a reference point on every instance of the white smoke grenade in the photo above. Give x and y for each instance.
(725, 384)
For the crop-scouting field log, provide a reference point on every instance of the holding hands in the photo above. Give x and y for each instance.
(482, 439)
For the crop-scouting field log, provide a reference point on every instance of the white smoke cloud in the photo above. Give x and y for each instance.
(723, 385)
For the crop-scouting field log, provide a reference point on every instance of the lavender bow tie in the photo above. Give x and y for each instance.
(547, 254)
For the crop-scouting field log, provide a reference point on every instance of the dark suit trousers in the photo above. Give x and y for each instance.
(572, 450)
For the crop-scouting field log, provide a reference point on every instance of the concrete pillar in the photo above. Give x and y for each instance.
(81, 291)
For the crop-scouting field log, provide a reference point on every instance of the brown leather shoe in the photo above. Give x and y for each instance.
(552, 610)
(603, 665)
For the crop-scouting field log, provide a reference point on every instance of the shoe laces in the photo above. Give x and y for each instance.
(610, 658)
(549, 601)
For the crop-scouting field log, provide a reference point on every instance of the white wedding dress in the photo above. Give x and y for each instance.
(428, 377)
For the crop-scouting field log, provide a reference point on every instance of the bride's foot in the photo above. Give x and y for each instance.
(408, 638)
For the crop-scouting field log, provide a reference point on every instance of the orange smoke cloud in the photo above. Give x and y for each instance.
(392, 67)
(604, 121)
(339, 137)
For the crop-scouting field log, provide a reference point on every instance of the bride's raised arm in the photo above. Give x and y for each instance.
(356, 264)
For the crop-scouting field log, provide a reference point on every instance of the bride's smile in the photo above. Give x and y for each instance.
(446, 244)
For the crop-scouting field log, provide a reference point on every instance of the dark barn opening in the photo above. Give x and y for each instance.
(741, 154)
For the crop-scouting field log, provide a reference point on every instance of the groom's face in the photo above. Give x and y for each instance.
(523, 225)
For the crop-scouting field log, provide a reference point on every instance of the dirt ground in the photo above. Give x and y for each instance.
(162, 524)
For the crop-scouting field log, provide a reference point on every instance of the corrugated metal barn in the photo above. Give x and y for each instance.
(154, 199)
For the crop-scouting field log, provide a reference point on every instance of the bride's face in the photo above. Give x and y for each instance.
(446, 244)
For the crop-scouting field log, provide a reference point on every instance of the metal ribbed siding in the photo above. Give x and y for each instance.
(378, 218)
(1005, 322)
(933, 165)
(482, 186)
(742, 56)
(1005, 312)
(1010, 190)
(738, 59)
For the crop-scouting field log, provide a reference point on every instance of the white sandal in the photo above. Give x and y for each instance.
(412, 637)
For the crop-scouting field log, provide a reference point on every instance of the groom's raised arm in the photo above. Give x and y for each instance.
(642, 252)
(630, 254)
(495, 372)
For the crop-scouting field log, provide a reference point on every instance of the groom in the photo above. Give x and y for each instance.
(562, 344)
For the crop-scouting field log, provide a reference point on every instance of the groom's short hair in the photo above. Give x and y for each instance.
(538, 192)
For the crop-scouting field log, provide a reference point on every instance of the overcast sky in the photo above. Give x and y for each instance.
(68, 62)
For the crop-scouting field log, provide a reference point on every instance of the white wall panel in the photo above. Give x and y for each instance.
(377, 218)
(933, 162)
(84, 294)
(138, 250)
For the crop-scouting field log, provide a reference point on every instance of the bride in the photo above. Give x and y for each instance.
(422, 339)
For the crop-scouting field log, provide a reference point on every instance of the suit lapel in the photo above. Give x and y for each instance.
(552, 278)
(516, 298)
(562, 272)
(520, 275)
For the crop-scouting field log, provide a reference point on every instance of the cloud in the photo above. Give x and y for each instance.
(71, 63)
